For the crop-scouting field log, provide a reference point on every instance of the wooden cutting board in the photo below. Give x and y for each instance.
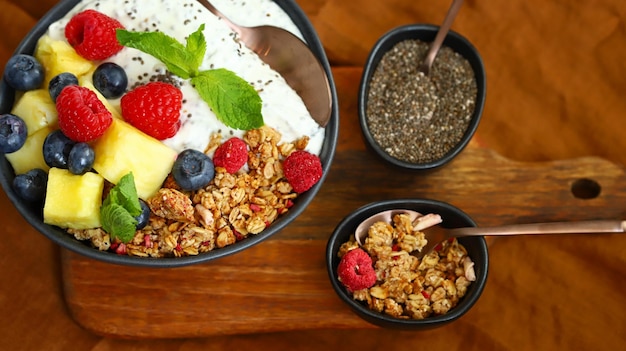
(282, 284)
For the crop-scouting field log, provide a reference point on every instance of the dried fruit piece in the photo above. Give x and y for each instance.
(231, 155)
(153, 108)
(93, 35)
(82, 116)
(302, 170)
(355, 270)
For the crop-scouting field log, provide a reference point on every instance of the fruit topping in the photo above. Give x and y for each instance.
(231, 155)
(31, 186)
(60, 81)
(56, 149)
(73, 201)
(13, 133)
(153, 108)
(37, 110)
(355, 270)
(302, 170)
(93, 35)
(110, 79)
(81, 158)
(24, 72)
(82, 116)
(58, 56)
(143, 218)
(193, 170)
(123, 149)
(30, 155)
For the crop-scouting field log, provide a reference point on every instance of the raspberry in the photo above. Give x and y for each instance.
(355, 270)
(302, 170)
(231, 155)
(93, 35)
(82, 116)
(153, 108)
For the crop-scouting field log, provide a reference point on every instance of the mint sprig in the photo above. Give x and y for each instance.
(235, 102)
(120, 208)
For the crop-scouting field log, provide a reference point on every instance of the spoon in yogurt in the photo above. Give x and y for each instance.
(292, 58)
(441, 35)
(436, 234)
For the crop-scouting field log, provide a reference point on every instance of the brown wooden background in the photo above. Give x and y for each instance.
(556, 87)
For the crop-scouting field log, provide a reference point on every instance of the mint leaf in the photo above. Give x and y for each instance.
(120, 208)
(235, 102)
(125, 194)
(196, 46)
(118, 222)
(183, 61)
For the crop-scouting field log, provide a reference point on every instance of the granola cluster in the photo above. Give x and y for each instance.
(229, 209)
(407, 287)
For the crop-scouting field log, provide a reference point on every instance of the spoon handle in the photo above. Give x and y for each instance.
(441, 34)
(580, 227)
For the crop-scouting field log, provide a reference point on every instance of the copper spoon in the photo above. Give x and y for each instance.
(436, 234)
(441, 35)
(292, 58)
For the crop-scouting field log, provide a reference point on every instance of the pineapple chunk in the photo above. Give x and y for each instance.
(37, 109)
(30, 155)
(58, 56)
(86, 82)
(73, 201)
(123, 149)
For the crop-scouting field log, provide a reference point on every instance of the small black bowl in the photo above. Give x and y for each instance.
(33, 214)
(452, 218)
(425, 33)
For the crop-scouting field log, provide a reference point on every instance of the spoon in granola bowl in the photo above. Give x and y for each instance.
(435, 234)
(292, 58)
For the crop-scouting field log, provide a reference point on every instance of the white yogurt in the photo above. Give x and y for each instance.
(282, 108)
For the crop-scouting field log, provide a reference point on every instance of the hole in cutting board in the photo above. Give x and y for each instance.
(585, 189)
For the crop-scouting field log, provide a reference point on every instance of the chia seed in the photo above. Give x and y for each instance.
(417, 118)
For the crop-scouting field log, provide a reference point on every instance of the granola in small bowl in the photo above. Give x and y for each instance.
(385, 284)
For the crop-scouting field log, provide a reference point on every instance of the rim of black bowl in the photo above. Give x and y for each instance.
(33, 214)
(425, 32)
(346, 227)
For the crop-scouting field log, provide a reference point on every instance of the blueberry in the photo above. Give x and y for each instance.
(193, 170)
(56, 149)
(31, 186)
(80, 159)
(13, 133)
(23, 72)
(144, 216)
(110, 80)
(60, 81)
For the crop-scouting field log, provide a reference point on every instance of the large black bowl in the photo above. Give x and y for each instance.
(425, 33)
(34, 214)
(452, 218)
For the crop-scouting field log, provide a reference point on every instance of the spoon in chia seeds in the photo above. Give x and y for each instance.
(435, 234)
(441, 35)
(292, 58)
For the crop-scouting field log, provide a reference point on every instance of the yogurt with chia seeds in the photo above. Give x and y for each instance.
(282, 108)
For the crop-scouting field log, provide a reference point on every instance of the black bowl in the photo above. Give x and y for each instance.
(452, 218)
(425, 33)
(34, 214)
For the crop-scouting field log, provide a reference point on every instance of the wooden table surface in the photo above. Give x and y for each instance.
(555, 92)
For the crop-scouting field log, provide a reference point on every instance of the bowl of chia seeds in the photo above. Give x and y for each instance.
(414, 121)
